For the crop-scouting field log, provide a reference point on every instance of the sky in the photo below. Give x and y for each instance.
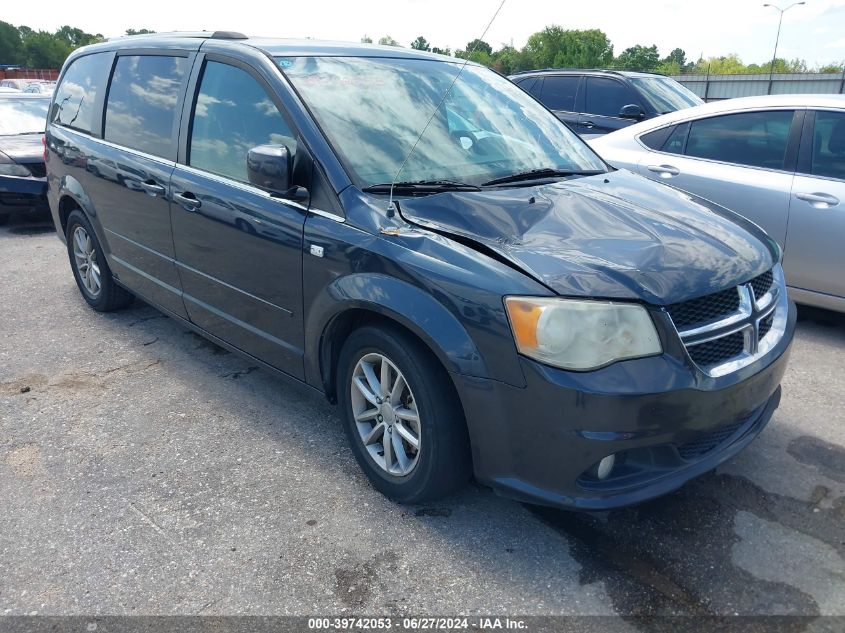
(814, 32)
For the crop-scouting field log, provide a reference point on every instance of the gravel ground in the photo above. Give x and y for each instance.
(144, 470)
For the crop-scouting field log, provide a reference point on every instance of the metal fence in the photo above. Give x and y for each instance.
(715, 87)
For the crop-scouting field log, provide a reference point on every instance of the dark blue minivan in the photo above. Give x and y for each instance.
(421, 241)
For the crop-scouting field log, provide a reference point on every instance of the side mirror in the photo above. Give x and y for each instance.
(269, 167)
(631, 111)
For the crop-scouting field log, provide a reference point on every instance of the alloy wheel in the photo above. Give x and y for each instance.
(85, 257)
(386, 414)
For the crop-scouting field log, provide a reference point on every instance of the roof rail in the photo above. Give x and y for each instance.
(228, 35)
(590, 70)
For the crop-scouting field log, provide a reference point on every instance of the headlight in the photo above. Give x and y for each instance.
(581, 335)
(13, 169)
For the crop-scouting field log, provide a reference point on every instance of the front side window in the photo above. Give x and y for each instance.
(664, 94)
(374, 110)
(142, 101)
(829, 145)
(606, 97)
(754, 139)
(73, 103)
(232, 114)
(559, 92)
(23, 115)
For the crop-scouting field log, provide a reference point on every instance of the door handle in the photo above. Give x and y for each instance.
(589, 125)
(188, 200)
(818, 200)
(664, 171)
(152, 188)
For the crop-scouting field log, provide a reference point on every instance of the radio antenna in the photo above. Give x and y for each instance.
(390, 206)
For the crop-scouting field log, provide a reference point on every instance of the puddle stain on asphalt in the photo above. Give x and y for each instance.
(674, 555)
(827, 458)
(354, 583)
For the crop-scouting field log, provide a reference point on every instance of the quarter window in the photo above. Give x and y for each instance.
(76, 95)
(559, 92)
(142, 100)
(829, 145)
(755, 139)
(606, 97)
(232, 114)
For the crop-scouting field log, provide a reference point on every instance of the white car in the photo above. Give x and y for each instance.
(777, 160)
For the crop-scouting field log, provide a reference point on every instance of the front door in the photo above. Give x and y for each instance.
(604, 99)
(238, 249)
(739, 161)
(813, 258)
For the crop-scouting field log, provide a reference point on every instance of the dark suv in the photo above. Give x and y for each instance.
(425, 244)
(595, 102)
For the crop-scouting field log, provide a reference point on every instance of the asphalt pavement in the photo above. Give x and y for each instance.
(144, 470)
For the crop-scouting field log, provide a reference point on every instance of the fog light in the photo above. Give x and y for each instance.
(605, 466)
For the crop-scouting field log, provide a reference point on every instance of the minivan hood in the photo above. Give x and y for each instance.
(23, 148)
(614, 235)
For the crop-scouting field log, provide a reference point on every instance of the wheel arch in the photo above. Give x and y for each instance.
(359, 299)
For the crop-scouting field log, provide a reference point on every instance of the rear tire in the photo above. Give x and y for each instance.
(90, 269)
(426, 458)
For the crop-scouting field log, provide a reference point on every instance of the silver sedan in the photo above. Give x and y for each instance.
(777, 160)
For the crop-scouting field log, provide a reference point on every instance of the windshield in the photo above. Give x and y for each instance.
(22, 116)
(664, 94)
(373, 110)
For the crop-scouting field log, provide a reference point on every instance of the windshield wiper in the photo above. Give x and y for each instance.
(537, 174)
(421, 187)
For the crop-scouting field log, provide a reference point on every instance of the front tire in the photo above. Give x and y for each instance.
(401, 416)
(90, 269)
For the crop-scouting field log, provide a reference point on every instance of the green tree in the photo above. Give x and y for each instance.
(44, 50)
(479, 46)
(643, 58)
(139, 31)
(366, 40)
(557, 47)
(11, 47)
(420, 44)
(441, 51)
(832, 68)
(508, 60)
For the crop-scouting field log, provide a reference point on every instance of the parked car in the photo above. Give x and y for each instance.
(506, 305)
(17, 84)
(41, 87)
(777, 160)
(23, 185)
(595, 102)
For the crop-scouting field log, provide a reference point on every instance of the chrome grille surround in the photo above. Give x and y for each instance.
(760, 320)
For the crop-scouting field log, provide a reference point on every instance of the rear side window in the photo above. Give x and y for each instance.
(526, 84)
(656, 139)
(677, 140)
(755, 139)
(829, 145)
(607, 97)
(232, 114)
(76, 95)
(141, 107)
(559, 93)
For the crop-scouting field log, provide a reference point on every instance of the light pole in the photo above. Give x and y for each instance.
(777, 38)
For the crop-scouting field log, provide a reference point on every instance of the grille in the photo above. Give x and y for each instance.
(762, 284)
(765, 326)
(707, 442)
(718, 350)
(703, 309)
